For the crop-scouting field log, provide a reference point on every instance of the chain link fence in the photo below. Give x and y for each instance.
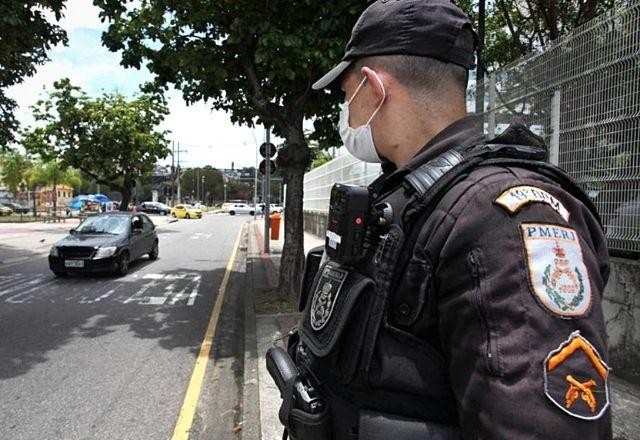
(582, 95)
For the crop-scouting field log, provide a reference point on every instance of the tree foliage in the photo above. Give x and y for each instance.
(256, 60)
(111, 139)
(197, 188)
(516, 29)
(25, 37)
(13, 168)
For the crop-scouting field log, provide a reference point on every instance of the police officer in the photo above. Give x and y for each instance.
(476, 312)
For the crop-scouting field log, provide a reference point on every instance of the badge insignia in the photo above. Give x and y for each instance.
(325, 296)
(575, 378)
(515, 198)
(557, 273)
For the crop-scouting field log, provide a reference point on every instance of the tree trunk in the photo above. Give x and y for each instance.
(55, 194)
(125, 190)
(294, 160)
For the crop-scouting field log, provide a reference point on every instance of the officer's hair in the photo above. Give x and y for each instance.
(428, 78)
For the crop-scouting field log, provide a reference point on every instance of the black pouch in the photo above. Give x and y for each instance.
(335, 319)
(306, 426)
(311, 266)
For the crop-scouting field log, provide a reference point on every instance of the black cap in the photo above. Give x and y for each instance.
(428, 28)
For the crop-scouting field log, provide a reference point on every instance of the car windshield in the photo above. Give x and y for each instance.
(189, 206)
(104, 224)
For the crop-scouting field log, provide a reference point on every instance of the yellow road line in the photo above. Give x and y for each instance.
(185, 419)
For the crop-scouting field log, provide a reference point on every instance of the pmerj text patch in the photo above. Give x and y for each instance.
(516, 197)
(558, 276)
(576, 378)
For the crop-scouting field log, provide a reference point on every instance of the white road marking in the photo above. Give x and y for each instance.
(201, 236)
(105, 296)
(136, 296)
(194, 292)
(17, 285)
(20, 288)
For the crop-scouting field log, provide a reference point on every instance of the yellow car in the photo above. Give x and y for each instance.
(186, 211)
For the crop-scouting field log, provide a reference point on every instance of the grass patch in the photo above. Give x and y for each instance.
(270, 302)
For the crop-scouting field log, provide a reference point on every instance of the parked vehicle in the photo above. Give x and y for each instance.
(17, 208)
(238, 208)
(154, 208)
(186, 211)
(5, 210)
(273, 208)
(106, 242)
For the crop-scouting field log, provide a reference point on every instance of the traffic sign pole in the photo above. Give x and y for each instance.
(267, 190)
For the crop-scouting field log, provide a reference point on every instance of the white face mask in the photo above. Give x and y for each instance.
(359, 140)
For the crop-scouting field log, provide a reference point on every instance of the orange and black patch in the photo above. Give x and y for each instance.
(576, 378)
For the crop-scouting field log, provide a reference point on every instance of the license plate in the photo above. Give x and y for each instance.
(74, 263)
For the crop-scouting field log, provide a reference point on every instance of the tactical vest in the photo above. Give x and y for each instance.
(379, 380)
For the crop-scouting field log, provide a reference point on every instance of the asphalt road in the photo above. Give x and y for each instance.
(100, 357)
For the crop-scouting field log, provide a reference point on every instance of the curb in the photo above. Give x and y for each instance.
(251, 426)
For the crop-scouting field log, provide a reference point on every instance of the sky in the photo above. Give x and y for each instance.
(206, 137)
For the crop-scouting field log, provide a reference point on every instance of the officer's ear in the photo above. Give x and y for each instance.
(377, 83)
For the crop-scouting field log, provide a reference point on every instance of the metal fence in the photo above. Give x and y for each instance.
(582, 94)
(344, 169)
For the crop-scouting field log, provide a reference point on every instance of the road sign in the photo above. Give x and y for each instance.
(262, 166)
(263, 149)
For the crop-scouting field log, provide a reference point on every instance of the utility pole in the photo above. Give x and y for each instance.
(480, 59)
(173, 173)
(178, 173)
(197, 184)
(266, 200)
(203, 193)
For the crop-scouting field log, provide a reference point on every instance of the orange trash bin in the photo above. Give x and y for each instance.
(275, 225)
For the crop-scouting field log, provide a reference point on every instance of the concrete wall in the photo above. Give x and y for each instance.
(622, 315)
(621, 307)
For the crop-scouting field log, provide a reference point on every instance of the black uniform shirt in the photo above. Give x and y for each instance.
(515, 272)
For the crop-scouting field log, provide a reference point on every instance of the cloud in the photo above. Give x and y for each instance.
(208, 137)
(80, 14)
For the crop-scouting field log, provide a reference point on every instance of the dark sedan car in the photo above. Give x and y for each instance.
(18, 209)
(106, 242)
(154, 208)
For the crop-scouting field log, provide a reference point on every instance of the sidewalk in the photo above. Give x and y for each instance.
(261, 396)
(23, 241)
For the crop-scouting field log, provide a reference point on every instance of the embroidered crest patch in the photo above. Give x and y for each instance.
(576, 378)
(515, 198)
(325, 295)
(557, 273)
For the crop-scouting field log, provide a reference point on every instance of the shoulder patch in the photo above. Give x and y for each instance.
(518, 196)
(576, 378)
(558, 276)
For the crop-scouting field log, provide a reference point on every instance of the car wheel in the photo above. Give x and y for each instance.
(173, 214)
(59, 274)
(187, 216)
(163, 212)
(153, 255)
(251, 212)
(232, 213)
(123, 264)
